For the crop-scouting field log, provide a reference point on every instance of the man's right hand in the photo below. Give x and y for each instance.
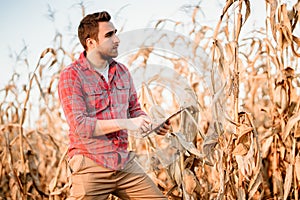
(139, 124)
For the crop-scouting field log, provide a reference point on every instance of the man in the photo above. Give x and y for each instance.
(100, 104)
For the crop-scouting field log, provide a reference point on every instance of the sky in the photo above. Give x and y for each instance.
(26, 23)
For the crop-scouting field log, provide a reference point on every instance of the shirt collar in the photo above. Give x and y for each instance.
(83, 63)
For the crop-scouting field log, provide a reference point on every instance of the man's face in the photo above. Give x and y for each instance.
(108, 41)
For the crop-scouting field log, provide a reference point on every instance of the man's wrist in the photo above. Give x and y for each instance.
(122, 123)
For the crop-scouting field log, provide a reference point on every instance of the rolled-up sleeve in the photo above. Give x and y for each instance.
(73, 103)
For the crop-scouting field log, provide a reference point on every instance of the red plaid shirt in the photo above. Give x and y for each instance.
(86, 97)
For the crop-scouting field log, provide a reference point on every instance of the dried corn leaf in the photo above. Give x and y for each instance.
(294, 49)
(266, 146)
(189, 146)
(48, 50)
(246, 163)
(189, 181)
(243, 131)
(219, 47)
(280, 97)
(278, 182)
(288, 181)
(240, 150)
(241, 194)
(195, 11)
(238, 26)
(176, 173)
(293, 120)
(273, 7)
(226, 7)
(248, 10)
(297, 132)
(210, 142)
(255, 182)
(297, 167)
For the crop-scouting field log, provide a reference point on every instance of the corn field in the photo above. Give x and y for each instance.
(237, 137)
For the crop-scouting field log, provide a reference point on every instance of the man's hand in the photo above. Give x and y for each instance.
(142, 124)
(139, 124)
(164, 128)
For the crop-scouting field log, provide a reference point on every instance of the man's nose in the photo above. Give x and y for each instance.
(116, 39)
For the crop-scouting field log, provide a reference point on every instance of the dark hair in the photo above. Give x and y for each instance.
(89, 28)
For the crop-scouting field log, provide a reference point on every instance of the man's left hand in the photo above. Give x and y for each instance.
(163, 129)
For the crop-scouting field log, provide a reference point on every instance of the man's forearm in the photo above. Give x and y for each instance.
(108, 126)
(137, 124)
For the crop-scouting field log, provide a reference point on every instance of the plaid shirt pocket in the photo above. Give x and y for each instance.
(122, 97)
(97, 100)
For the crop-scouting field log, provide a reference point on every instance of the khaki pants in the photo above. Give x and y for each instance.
(92, 182)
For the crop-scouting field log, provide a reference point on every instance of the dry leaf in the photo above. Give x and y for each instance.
(288, 181)
(293, 120)
(266, 147)
(189, 146)
(255, 183)
(297, 167)
(240, 149)
(189, 181)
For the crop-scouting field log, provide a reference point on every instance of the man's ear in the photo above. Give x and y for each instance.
(90, 43)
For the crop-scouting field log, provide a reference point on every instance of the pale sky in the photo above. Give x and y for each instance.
(26, 22)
